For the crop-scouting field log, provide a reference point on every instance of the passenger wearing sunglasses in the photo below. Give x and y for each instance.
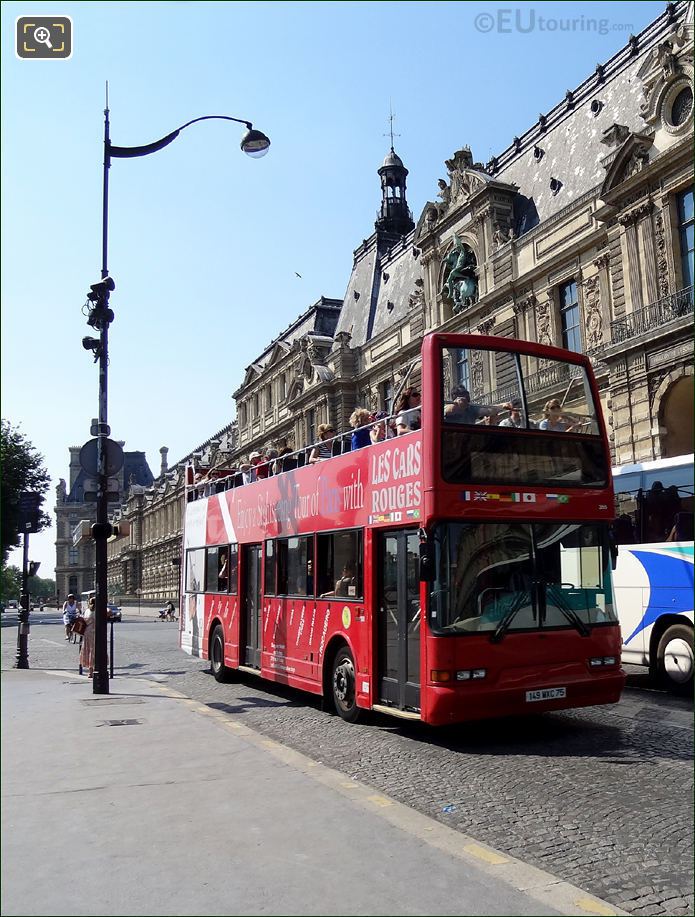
(324, 448)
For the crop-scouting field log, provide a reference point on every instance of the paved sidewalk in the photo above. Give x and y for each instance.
(141, 802)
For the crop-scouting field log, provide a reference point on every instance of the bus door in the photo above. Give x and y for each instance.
(399, 620)
(252, 605)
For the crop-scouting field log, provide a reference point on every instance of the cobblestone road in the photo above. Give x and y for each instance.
(601, 798)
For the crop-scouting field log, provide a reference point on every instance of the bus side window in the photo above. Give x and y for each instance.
(233, 567)
(223, 574)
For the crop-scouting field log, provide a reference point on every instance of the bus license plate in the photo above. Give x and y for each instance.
(546, 694)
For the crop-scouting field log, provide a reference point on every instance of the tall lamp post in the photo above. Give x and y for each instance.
(255, 144)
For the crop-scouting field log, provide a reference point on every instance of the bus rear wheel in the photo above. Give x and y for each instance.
(217, 666)
(344, 682)
(674, 659)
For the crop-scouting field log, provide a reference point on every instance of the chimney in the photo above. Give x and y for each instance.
(164, 451)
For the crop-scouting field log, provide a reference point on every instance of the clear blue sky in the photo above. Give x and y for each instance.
(205, 242)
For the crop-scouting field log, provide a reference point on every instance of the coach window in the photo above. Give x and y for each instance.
(233, 567)
(195, 570)
(339, 563)
(212, 570)
(269, 587)
(223, 569)
(295, 566)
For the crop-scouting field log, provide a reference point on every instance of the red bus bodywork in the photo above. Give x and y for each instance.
(391, 487)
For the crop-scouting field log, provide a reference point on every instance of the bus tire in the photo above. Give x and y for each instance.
(344, 685)
(217, 666)
(674, 659)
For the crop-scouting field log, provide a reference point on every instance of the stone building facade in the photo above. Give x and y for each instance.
(579, 234)
(144, 566)
(74, 570)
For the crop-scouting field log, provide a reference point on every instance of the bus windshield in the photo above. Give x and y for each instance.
(481, 420)
(520, 576)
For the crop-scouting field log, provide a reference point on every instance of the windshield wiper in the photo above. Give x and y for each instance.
(506, 621)
(569, 613)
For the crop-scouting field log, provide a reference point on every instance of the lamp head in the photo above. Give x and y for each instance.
(255, 143)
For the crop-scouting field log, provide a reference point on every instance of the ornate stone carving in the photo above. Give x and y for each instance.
(431, 218)
(602, 261)
(463, 183)
(615, 135)
(417, 298)
(593, 322)
(544, 321)
(662, 67)
(636, 162)
(445, 194)
(477, 374)
(636, 214)
(524, 304)
(503, 233)
(486, 326)
(661, 257)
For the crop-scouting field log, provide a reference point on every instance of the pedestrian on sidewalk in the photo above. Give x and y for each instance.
(87, 647)
(71, 609)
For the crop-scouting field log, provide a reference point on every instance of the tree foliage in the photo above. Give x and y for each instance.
(10, 583)
(41, 588)
(22, 470)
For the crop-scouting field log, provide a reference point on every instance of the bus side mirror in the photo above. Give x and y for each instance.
(427, 567)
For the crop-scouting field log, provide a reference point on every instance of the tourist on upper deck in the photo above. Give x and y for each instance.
(286, 461)
(402, 424)
(270, 456)
(555, 420)
(408, 403)
(380, 430)
(324, 448)
(359, 420)
(515, 418)
(462, 411)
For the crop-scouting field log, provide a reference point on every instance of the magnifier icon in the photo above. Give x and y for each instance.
(43, 37)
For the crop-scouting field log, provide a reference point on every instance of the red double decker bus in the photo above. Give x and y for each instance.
(459, 571)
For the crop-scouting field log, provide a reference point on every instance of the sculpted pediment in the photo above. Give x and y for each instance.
(630, 159)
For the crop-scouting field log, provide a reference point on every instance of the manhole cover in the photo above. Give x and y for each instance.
(120, 723)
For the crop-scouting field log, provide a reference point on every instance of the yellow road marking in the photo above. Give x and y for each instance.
(483, 854)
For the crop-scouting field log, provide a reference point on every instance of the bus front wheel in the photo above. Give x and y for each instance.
(344, 683)
(674, 659)
(217, 666)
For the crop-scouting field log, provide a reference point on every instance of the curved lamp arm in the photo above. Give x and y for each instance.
(125, 152)
(254, 143)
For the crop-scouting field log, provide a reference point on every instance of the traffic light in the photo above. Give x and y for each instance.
(34, 567)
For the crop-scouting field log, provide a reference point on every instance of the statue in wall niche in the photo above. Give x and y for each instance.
(501, 235)
(461, 276)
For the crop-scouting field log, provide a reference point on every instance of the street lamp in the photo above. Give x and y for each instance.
(255, 144)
